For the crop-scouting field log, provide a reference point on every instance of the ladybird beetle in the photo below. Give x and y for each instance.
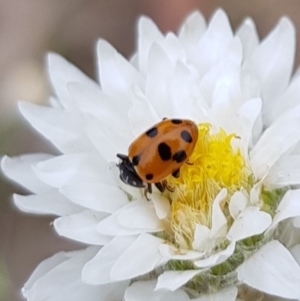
(157, 153)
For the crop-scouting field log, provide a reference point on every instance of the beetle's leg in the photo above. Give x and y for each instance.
(148, 189)
(189, 163)
(176, 173)
(160, 186)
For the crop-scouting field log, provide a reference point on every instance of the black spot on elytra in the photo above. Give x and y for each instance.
(135, 160)
(149, 176)
(176, 121)
(180, 156)
(152, 132)
(164, 151)
(185, 135)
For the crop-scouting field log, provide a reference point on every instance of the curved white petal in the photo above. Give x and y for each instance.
(51, 202)
(111, 225)
(144, 290)
(295, 250)
(140, 258)
(170, 252)
(219, 221)
(82, 227)
(191, 32)
(116, 74)
(107, 139)
(59, 278)
(286, 101)
(288, 207)
(249, 222)
(161, 205)
(159, 75)
(213, 42)
(237, 204)
(172, 280)
(276, 139)
(98, 269)
(141, 215)
(63, 128)
(247, 115)
(96, 196)
(184, 91)
(273, 270)
(61, 72)
(273, 61)
(285, 172)
(202, 238)
(249, 37)
(93, 101)
(141, 122)
(148, 34)
(76, 168)
(19, 169)
(216, 258)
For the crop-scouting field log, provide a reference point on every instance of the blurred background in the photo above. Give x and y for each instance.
(29, 29)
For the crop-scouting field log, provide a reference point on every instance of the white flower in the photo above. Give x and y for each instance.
(221, 227)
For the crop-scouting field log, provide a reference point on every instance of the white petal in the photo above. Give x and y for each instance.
(116, 74)
(219, 222)
(76, 168)
(64, 129)
(141, 122)
(273, 61)
(184, 92)
(19, 169)
(248, 36)
(61, 72)
(216, 258)
(159, 74)
(277, 139)
(111, 225)
(171, 252)
(273, 270)
(140, 258)
(191, 31)
(95, 102)
(144, 217)
(250, 222)
(96, 196)
(247, 115)
(224, 77)
(59, 279)
(51, 202)
(295, 250)
(109, 140)
(144, 290)
(288, 207)
(286, 101)
(161, 204)
(174, 48)
(202, 239)
(255, 194)
(212, 44)
(237, 204)
(148, 34)
(82, 227)
(226, 294)
(98, 269)
(172, 280)
(43, 268)
(285, 172)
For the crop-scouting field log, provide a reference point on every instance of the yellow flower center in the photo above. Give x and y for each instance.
(214, 164)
